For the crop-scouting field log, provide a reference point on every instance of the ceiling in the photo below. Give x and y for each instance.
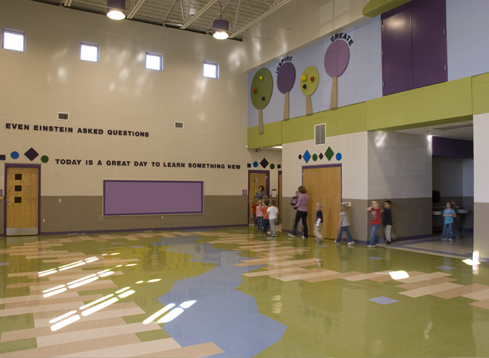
(459, 130)
(190, 15)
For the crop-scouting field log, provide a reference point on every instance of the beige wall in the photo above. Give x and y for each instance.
(118, 93)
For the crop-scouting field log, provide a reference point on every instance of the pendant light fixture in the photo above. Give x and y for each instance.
(220, 27)
(115, 9)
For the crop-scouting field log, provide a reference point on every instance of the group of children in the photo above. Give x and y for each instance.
(265, 214)
(344, 224)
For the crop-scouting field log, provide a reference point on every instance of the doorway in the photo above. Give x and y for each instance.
(323, 184)
(22, 204)
(255, 179)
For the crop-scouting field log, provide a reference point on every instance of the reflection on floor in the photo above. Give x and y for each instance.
(235, 293)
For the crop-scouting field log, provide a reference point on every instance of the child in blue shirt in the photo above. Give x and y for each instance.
(448, 215)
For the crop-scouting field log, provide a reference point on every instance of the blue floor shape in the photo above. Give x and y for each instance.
(222, 315)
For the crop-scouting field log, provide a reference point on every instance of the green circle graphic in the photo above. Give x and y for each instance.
(44, 159)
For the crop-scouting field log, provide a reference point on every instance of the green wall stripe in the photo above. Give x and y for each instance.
(431, 103)
(480, 93)
(378, 7)
(446, 102)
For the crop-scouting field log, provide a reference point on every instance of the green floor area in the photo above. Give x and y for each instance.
(319, 291)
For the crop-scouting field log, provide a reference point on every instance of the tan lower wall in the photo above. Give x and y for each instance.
(84, 213)
(412, 217)
(2, 222)
(481, 228)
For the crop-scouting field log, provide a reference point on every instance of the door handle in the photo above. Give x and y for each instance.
(9, 204)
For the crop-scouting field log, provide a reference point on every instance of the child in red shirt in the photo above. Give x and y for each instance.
(375, 221)
(255, 204)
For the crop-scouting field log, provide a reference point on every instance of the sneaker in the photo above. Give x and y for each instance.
(291, 235)
(275, 235)
(337, 242)
(371, 246)
(303, 237)
(351, 243)
(450, 240)
(389, 242)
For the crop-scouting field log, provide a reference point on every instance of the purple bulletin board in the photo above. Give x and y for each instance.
(142, 197)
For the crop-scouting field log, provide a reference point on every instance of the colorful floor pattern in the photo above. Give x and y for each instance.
(232, 293)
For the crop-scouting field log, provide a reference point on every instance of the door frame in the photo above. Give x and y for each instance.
(38, 166)
(267, 190)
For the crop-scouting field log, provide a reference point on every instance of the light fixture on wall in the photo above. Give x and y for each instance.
(115, 9)
(220, 27)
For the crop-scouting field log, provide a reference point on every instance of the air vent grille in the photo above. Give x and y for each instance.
(63, 116)
(320, 134)
(179, 125)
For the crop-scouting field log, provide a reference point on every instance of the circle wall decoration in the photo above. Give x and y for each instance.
(285, 82)
(14, 155)
(335, 63)
(44, 159)
(261, 92)
(314, 157)
(338, 156)
(255, 164)
(309, 84)
(272, 166)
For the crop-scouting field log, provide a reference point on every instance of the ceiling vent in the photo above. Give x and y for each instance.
(63, 116)
(320, 134)
(179, 125)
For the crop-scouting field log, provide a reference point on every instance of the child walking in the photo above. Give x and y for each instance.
(255, 205)
(272, 217)
(318, 224)
(259, 215)
(344, 226)
(387, 222)
(266, 220)
(375, 220)
(448, 215)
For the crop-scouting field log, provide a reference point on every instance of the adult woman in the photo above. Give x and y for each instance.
(260, 193)
(301, 213)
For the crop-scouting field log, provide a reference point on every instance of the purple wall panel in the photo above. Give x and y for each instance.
(397, 66)
(452, 148)
(428, 25)
(136, 197)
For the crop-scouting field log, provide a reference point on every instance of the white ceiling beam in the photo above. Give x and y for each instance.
(236, 17)
(67, 3)
(197, 14)
(135, 9)
(259, 18)
(169, 10)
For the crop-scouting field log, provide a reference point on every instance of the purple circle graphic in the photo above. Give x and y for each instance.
(286, 77)
(336, 58)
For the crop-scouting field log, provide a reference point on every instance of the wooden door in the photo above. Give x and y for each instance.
(324, 185)
(279, 197)
(22, 198)
(254, 181)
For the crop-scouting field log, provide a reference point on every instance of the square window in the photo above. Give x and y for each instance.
(89, 52)
(211, 69)
(18, 188)
(18, 199)
(154, 61)
(13, 40)
(18, 176)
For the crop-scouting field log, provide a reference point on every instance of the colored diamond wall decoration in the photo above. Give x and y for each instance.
(264, 163)
(321, 156)
(307, 156)
(31, 154)
(329, 153)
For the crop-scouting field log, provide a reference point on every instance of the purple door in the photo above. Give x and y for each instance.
(397, 59)
(414, 46)
(428, 24)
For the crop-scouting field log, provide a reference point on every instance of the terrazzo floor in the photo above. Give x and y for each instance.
(235, 293)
